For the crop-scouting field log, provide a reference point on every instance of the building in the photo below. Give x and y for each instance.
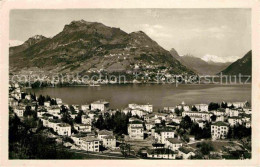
(202, 107)
(161, 134)
(82, 127)
(86, 120)
(205, 116)
(145, 107)
(19, 111)
(47, 104)
(161, 153)
(219, 130)
(58, 101)
(85, 107)
(248, 124)
(219, 112)
(173, 143)
(53, 110)
(234, 121)
(104, 133)
(247, 110)
(109, 141)
(136, 130)
(90, 144)
(185, 153)
(100, 105)
(28, 97)
(64, 129)
(237, 104)
(232, 112)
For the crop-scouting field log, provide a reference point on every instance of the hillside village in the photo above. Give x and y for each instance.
(198, 131)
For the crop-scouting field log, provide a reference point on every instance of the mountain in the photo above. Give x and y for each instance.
(90, 46)
(30, 42)
(175, 54)
(198, 65)
(242, 66)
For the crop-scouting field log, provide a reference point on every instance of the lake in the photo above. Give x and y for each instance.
(160, 96)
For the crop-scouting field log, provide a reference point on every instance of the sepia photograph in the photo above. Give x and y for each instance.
(130, 84)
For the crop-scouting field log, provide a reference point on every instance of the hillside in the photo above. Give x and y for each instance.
(90, 47)
(242, 66)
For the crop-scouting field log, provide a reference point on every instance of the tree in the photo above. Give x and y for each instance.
(125, 149)
(67, 118)
(177, 111)
(206, 147)
(28, 111)
(100, 122)
(213, 106)
(213, 117)
(78, 117)
(223, 105)
(194, 108)
(186, 122)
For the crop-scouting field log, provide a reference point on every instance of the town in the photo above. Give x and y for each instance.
(95, 131)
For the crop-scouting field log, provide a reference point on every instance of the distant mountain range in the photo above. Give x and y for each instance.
(198, 65)
(90, 46)
(242, 66)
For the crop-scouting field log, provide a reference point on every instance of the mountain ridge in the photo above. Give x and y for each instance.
(89, 47)
(242, 66)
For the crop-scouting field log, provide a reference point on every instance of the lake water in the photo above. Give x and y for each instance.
(160, 96)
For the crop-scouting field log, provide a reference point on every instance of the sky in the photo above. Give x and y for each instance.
(219, 35)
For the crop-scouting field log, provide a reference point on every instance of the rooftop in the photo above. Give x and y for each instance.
(174, 140)
(100, 102)
(64, 125)
(160, 151)
(105, 132)
(136, 122)
(220, 123)
(89, 139)
(185, 150)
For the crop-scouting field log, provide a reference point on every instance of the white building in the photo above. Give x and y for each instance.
(219, 112)
(104, 133)
(86, 120)
(234, 121)
(205, 116)
(19, 111)
(136, 130)
(100, 105)
(202, 107)
(173, 143)
(82, 127)
(64, 129)
(28, 97)
(53, 109)
(161, 153)
(237, 104)
(85, 107)
(58, 101)
(162, 134)
(47, 104)
(90, 144)
(219, 130)
(145, 107)
(232, 112)
(109, 141)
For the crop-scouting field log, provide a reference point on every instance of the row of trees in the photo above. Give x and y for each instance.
(43, 99)
(239, 132)
(116, 122)
(188, 127)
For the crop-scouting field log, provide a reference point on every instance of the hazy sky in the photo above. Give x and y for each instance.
(212, 34)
